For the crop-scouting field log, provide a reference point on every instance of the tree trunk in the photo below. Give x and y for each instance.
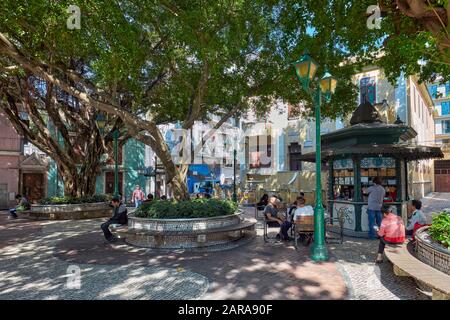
(78, 183)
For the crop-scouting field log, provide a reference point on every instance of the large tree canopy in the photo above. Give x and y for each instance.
(151, 62)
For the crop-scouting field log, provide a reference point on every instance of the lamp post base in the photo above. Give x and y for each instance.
(319, 253)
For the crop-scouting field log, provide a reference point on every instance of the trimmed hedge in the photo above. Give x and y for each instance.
(75, 200)
(198, 208)
(440, 229)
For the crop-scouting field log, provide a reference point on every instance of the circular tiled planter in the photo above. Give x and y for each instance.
(186, 225)
(68, 211)
(187, 233)
(432, 253)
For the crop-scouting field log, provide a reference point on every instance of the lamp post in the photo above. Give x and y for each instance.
(101, 122)
(234, 175)
(116, 162)
(306, 68)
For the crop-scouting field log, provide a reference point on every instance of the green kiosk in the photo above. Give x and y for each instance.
(366, 149)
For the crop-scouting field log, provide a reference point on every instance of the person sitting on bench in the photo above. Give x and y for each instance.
(392, 231)
(415, 215)
(149, 198)
(263, 202)
(271, 214)
(302, 209)
(119, 217)
(22, 205)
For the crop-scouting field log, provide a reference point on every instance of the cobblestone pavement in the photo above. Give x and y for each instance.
(253, 271)
(435, 202)
(34, 266)
(29, 270)
(35, 256)
(365, 279)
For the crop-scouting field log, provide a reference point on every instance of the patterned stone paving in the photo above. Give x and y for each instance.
(365, 279)
(29, 270)
(435, 202)
(36, 268)
(35, 256)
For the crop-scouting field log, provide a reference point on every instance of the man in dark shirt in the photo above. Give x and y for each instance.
(119, 217)
(271, 213)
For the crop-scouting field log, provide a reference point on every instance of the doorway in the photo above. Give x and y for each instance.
(109, 182)
(33, 186)
(442, 175)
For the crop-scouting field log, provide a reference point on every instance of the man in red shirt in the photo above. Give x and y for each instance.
(138, 196)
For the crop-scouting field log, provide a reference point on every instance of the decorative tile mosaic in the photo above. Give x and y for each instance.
(378, 162)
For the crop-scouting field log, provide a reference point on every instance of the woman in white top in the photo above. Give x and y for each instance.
(416, 216)
(302, 210)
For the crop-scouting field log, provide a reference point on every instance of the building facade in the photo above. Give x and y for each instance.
(411, 102)
(287, 135)
(10, 153)
(209, 165)
(131, 173)
(440, 92)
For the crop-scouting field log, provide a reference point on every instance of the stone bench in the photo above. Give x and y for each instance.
(407, 265)
(184, 239)
(119, 230)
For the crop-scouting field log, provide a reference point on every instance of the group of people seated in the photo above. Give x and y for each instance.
(272, 213)
(392, 229)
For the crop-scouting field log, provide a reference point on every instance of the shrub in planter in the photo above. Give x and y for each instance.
(440, 229)
(75, 200)
(198, 208)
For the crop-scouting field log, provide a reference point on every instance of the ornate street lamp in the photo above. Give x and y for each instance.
(101, 123)
(306, 68)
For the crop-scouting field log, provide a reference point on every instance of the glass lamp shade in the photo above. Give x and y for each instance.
(305, 67)
(101, 121)
(328, 83)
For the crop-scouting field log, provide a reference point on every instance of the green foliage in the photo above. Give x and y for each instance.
(248, 47)
(73, 200)
(198, 208)
(440, 229)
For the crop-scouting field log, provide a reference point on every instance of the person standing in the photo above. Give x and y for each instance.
(138, 196)
(376, 195)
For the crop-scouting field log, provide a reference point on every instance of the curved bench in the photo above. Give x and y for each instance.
(407, 265)
(194, 238)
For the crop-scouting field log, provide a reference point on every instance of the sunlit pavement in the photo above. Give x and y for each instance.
(37, 260)
(435, 202)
